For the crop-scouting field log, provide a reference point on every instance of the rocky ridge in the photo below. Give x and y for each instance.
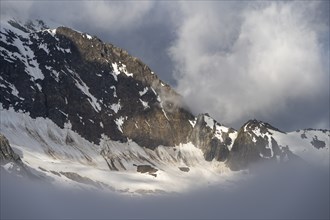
(100, 91)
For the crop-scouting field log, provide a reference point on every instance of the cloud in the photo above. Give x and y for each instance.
(271, 193)
(9, 9)
(101, 15)
(251, 62)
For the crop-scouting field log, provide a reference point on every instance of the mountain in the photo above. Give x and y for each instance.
(259, 141)
(80, 111)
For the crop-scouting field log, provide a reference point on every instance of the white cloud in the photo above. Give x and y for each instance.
(113, 15)
(249, 62)
(100, 15)
(9, 9)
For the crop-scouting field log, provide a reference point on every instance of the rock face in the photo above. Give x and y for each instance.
(6, 152)
(147, 169)
(11, 161)
(92, 87)
(255, 143)
(214, 140)
(317, 143)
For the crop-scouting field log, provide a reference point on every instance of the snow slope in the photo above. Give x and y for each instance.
(50, 150)
(301, 144)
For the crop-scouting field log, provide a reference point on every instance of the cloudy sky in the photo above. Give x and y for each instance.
(235, 60)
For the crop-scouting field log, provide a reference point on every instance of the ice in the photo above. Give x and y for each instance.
(68, 125)
(145, 104)
(67, 50)
(92, 100)
(164, 113)
(245, 128)
(119, 122)
(65, 114)
(39, 87)
(218, 135)
(116, 106)
(114, 91)
(44, 47)
(233, 137)
(147, 123)
(144, 91)
(123, 69)
(81, 85)
(159, 99)
(14, 91)
(51, 31)
(219, 129)
(209, 121)
(257, 132)
(26, 55)
(193, 122)
(152, 89)
(88, 36)
(117, 69)
(54, 73)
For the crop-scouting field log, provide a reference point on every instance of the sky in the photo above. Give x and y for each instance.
(236, 60)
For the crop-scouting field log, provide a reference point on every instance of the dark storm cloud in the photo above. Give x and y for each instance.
(264, 60)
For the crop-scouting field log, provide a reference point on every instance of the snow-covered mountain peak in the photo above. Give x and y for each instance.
(259, 127)
(75, 108)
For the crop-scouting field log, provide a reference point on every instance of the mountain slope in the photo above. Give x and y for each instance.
(73, 78)
(259, 141)
(78, 110)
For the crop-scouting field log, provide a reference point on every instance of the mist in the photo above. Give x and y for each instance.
(298, 192)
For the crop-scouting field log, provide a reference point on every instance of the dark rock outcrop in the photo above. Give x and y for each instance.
(147, 169)
(317, 143)
(6, 152)
(184, 169)
(9, 157)
(204, 136)
(93, 87)
(254, 143)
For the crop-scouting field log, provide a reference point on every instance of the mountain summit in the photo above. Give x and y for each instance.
(79, 109)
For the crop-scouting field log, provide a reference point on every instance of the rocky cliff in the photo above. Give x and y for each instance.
(95, 88)
(99, 91)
